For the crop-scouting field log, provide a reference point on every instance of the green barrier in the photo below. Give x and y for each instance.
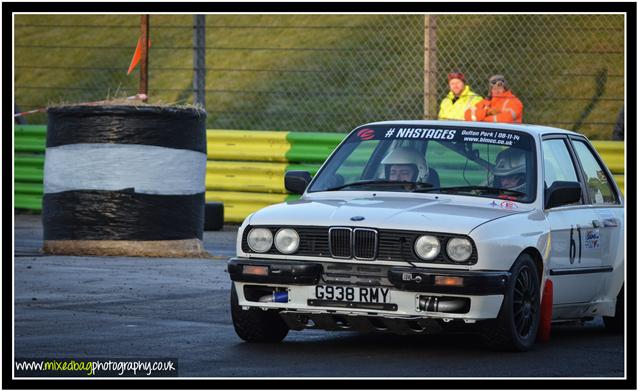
(28, 201)
(28, 174)
(29, 160)
(311, 147)
(28, 188)
(38, 131)
(30, 138)
(26, 144)
(311, 168)
(29, 168)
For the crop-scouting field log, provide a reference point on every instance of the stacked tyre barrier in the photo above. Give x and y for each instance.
(124, 180)
(245, 169)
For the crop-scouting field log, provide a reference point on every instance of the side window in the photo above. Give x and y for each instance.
(598, 187)
(558, 164)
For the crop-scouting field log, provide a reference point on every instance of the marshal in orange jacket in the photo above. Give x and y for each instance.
(501, 108)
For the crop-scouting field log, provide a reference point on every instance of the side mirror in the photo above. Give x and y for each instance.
(562, 193)
(297, 181)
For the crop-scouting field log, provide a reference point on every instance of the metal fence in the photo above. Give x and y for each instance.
(329, 72)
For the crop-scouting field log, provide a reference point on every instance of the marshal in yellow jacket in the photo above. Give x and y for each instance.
(455, 109)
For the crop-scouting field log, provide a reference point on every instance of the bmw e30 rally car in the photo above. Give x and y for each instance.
(415, 226)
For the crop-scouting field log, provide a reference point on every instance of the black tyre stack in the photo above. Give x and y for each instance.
(125, 180)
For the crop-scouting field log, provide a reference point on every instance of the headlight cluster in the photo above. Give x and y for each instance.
(286, 240)
(428, 247)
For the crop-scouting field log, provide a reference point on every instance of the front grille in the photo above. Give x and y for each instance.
(390, 245)
(340, 245)
(365, 243)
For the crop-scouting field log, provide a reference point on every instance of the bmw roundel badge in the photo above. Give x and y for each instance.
(357, 218)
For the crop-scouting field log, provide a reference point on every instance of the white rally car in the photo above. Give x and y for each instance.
(419, 226)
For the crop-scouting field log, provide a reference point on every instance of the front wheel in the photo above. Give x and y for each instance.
(255, 324)
(616, 323)
(517, 323)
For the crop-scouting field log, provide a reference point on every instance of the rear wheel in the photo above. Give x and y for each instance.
(616, 323)
(517, 323)
(255, 324)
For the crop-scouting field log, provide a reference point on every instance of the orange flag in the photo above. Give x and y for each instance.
(137, 55)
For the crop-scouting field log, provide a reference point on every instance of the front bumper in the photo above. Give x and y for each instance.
(484, 289)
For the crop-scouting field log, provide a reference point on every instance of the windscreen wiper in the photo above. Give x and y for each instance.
(381, 182)
(483, 189)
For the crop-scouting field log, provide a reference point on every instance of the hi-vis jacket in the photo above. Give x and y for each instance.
(455, 110)
(501, 108)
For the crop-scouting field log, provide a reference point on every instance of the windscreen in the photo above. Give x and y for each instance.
(479, 162)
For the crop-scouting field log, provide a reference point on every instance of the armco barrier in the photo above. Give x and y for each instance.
(245, 169)
(29, 143)
(30, 138)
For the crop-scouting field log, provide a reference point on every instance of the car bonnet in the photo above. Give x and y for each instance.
(446, 214)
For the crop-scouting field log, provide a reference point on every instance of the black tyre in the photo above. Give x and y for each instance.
(616, 323)
(255, 324)
(213, 216)
(518, 320)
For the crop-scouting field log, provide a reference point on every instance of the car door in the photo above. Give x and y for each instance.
(573, 267)
(605, 237)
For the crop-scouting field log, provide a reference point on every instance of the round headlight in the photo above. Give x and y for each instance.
(427, 247)
(260, 239)
(459, 249)
(287, 240)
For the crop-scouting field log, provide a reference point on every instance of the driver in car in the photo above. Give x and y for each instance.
(509, 170)
(405, 164)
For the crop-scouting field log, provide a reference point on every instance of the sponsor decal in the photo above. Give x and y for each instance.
(490, 137)
(420, 133)
(366, 134)
(592, 238)
(507, 204)
(444, 134)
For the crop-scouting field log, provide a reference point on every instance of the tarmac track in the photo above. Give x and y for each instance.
(103, 307)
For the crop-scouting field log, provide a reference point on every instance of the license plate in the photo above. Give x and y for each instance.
(353, 294)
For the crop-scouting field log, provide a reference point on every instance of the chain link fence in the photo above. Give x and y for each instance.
(330, 72)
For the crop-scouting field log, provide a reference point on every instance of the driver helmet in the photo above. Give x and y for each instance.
(509, 163)
(405, 155)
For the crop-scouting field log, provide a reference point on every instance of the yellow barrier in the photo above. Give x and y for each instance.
(616, 163)
(238, 205)
(608, 146)
(613, 153)
(239, 145)
(246, 176)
